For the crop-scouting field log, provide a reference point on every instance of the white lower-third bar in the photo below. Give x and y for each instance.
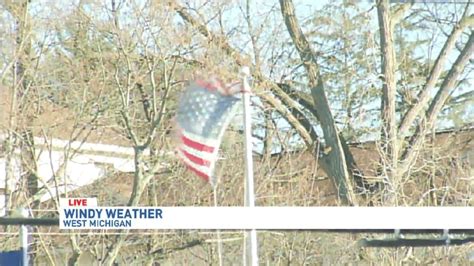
(283, 218)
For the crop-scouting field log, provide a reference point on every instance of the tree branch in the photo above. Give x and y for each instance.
(221, 41)
(297, 113)
(336, 159)
(288, 115)
(400, 11)
(448, 85)
(424, 95)
(300, 98)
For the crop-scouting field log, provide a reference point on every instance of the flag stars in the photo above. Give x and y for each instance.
(203, 112)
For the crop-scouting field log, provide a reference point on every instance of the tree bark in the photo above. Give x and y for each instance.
(336, 159)
(357, 174)
(389, 125)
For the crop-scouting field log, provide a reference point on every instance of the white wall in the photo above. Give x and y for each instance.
(88, 165)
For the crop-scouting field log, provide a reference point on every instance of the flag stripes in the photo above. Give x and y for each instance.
(196, 145)
(205, 109)
(203, 172)
(195, 159)
(197, 156)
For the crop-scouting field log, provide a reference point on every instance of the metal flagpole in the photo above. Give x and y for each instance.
(24, 239)
(250, 244)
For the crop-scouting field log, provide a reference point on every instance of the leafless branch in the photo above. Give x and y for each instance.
(425, 93)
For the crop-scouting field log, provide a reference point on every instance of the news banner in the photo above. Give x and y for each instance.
(85, 213)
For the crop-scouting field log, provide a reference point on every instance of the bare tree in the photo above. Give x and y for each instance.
(333, 86)
(339, 165)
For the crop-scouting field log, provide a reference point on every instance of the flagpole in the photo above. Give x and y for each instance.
(24, 239)
(251, 245)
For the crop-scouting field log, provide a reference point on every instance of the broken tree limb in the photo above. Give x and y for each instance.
(336, 159)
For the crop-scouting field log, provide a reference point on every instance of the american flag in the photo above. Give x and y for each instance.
(204, 112)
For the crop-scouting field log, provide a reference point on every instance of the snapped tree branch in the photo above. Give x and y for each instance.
(336, 159)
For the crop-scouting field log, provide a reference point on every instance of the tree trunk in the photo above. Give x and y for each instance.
(335, 157)
(389, 125)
